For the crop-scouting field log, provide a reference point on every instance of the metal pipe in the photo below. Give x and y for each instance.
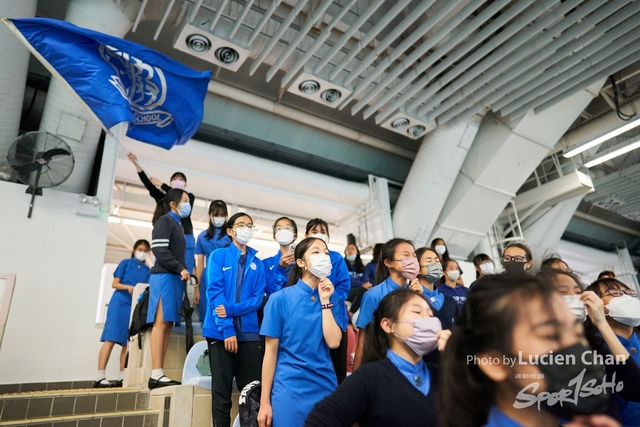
(236, 25)
(347, 35)
(218, 14)
(419, 51)
(518, 40)
(143, 4)
(489, 31)
(276, 37)
(317, 15)
(165, 15)
(369, 36)
(440, 52)
(604, 222)
(597, 69)
(265, 18)
(390, 38)
(194, 11)
(537, 48)
(326, 32)
(575, 56)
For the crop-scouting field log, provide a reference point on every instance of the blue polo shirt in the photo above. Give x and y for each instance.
(436, 299)
(371, 299)
(418, 375)
(205, 246)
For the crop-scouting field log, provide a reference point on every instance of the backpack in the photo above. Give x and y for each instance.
(139, 319)
(249, 404)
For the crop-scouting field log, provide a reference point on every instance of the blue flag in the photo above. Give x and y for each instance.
(121, 81)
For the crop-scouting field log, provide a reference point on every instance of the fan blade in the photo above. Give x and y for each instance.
(48, 155)
(26, 169)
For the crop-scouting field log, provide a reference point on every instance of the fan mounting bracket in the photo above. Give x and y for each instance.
(30, 191)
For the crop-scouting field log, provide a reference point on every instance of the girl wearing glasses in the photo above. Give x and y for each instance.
(340, 278)
(517, 257)
(278, 267)
(235, 288)
(215, 237)
(622, 309)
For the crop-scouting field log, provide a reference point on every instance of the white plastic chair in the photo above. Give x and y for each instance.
(236, 423)
(190, 373)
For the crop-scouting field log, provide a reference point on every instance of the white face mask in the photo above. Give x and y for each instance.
(487, 268)
(625, 309)
(453, 275)
(243, 235)
(440, 249)
(218, 221)
(322, 237)
(141, 256)
(284, 237)
(320, 265)
(577, 306)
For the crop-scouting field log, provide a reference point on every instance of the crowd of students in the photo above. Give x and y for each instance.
(429, 351)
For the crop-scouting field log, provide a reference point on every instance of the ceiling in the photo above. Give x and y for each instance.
(432, 62)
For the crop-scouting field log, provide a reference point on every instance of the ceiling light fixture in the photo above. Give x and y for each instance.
(309, 86)
(603, 138)
(632, 146)
(198, 43)
(400, 123)
(227, 55)
(331, 95)
(416, 130)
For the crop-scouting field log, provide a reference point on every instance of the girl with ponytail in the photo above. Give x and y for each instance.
(394, 386)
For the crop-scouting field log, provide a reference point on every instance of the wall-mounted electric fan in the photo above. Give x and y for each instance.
(40, 160)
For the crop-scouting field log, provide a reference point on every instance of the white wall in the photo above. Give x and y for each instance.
(57, 257)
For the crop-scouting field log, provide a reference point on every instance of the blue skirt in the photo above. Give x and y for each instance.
(190, 253)
(116, 327)
(170, 288)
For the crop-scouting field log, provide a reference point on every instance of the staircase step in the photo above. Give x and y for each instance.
(136, 418)
(49, 404)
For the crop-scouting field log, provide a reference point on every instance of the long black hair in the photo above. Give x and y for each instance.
(485, 324)
(358, 260)
(138, 243)
(445, 256)
(301, 248)
(376, 342)
(217, 206)
(387, 251)
(317, 221)
(173, 195)
(376, 252)
(547, 263)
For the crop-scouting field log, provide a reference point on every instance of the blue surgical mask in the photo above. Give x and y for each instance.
(351, 258)
(185, 210)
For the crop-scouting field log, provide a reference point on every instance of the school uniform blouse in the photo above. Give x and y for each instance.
(370, 272)
(378, 395)
(443, 306)
(497, 418)
(304, 372)
(205, 246)
(371, 300)
(629, 410)
(356, 278)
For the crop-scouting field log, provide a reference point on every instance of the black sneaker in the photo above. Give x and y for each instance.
(153, 383)
(100, 384)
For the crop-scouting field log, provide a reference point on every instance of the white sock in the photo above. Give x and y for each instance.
(157, 373)
(101, 375)
(121, 376)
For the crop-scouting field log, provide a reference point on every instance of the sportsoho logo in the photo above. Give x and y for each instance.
(144, 86)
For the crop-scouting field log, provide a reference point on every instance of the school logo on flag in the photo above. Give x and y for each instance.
(120, 81)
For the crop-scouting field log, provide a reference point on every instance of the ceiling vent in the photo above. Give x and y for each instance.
(196, 39)
(319, 90)
(408, 126)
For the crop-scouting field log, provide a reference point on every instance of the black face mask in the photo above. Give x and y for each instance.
(513, 267)
(572, 387)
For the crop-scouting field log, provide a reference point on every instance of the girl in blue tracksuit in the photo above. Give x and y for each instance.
(235, 289)
(166, 283)
(340, 278)
(129, 273)
(279, 266)
(215, 237)
(300, 328)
